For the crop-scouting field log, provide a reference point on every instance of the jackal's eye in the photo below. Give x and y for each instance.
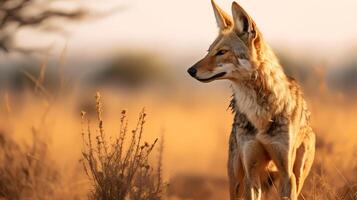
(221, 52)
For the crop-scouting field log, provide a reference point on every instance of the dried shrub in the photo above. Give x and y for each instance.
(27, 172)
(116, 172)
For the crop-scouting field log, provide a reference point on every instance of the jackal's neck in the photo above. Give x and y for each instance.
(266, 92)
(269, 78)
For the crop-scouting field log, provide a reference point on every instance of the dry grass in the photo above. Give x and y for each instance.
(117, 161)
(118, 173)
(28, 171)
(195, 149)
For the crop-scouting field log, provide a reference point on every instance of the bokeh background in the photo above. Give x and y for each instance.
(136, 53)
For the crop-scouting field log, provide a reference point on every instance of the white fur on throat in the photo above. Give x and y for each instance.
(246, 103)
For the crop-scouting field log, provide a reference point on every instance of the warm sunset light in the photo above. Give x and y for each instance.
(108, 100)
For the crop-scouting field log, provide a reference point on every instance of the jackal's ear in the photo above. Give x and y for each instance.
(242, 21)
(224, 21)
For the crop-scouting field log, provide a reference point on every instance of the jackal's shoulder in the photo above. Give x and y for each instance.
(299, 111)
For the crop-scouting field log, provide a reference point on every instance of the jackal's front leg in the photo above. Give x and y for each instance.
(235, 176)
(254, 160)
(235, 170)
(279, 143)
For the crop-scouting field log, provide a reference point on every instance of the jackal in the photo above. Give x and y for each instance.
(271, 127)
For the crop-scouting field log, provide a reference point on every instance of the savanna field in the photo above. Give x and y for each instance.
(42, 142)
(79, 120)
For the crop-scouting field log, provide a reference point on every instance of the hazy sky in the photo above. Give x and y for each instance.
(321, 26)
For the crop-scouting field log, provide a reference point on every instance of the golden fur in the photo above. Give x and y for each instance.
(271, 127)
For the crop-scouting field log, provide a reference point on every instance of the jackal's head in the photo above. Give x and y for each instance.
(232, 53)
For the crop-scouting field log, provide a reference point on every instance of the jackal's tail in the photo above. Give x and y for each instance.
(269, 185)
(270, 178)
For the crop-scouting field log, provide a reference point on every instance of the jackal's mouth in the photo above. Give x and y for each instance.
(211, 78)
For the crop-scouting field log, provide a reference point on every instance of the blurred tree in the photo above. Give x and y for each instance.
(133, 69)
(343, 78)
(17, 14)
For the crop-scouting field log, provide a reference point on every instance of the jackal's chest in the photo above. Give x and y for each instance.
(247, 103)
(243, 130)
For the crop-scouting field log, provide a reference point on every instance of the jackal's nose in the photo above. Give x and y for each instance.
(192, 71)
